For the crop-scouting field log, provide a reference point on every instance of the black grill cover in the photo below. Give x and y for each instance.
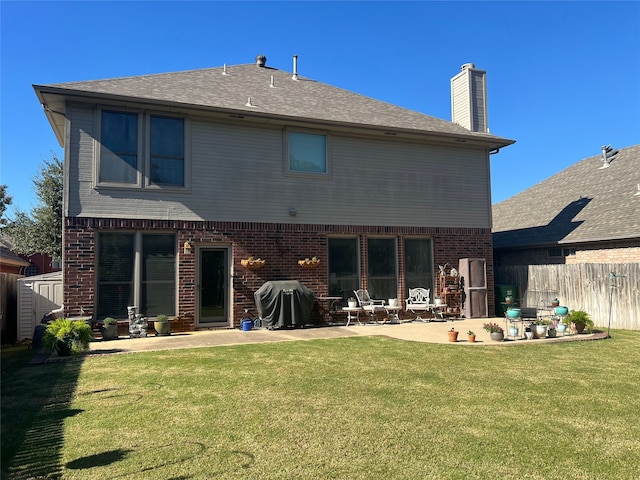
(283, 303)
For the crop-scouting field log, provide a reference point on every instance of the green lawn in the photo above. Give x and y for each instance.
(349, 408)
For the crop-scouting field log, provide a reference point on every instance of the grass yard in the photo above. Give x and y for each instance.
(349, 408)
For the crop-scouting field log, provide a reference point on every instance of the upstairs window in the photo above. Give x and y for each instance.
(166, 136)
(124, 136)
(307, 153)
(119, 149)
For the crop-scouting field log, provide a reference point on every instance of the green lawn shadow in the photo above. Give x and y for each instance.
(36, 399)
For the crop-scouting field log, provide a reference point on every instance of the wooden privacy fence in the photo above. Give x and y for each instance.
(585, 286)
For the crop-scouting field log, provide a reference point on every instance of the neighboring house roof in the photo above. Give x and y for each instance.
(583, 203)
(303, 100)
(7, 257)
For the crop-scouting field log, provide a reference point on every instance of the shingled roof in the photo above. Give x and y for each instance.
(273, 93)
(583, 203)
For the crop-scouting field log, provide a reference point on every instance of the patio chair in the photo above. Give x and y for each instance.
(418, 302)
(369, 305)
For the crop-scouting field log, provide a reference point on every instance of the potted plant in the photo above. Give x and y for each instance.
(437, 301)
(453, 335)
(66, 336)
(352, 302)
(561, 327)
(528, 333)
(161, 325)
(540, 327)
(471, 336)
(579, 320)
(109, 328)
(555, 302)
(513, 330)
(495, 331)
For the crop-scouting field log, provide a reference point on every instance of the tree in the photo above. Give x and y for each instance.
(41, 230)
(5, 201)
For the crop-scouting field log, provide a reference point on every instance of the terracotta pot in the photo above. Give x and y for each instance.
(472, 339)
(453, 336)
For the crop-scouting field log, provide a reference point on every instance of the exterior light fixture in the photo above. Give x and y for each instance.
(186, 248)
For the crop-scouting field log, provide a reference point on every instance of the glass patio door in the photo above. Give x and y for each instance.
(213, 275)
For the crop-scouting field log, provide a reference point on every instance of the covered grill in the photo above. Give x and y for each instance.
(284, 303)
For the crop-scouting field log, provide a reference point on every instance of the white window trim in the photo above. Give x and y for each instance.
(294, 173)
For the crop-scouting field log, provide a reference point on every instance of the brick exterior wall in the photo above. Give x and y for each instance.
(281, 245)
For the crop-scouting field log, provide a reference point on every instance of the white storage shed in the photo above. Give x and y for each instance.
(37, 295)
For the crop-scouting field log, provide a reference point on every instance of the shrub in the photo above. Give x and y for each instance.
(76, 332)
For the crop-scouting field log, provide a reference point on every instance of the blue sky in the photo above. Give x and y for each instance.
(563, 78)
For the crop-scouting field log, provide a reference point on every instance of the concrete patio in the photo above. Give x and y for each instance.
(428, 332)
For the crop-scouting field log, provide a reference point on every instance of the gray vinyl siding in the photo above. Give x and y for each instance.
(237, 174)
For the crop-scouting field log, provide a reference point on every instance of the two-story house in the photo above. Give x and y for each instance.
(171, 180)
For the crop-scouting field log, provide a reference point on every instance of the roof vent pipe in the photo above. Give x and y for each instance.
(273, 84)
(224, 69)
(608, 152)
(295, 67)
(261, 60)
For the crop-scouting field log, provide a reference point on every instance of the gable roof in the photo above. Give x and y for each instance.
(583, 203)
(227, 89)
(7, 257)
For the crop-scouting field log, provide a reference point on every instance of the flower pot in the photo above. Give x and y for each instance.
(562, 327)
(453, 336)
(513, 331)
(497, 336)
(352, 304)
(162, 328)
(109, 332)
(437, 301)
(508, 300)
(539, 331)
(577, 327)
(561, 311)
(63, 347)
(393, 302)
(551, 332)
(513, 313)
(472, 339)
(528, 335)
